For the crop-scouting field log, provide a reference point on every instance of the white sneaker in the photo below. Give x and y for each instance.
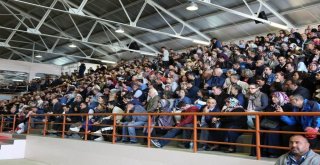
(75, 129)
(99, 139)
(97, 133)
(156, 143)
(106, 128)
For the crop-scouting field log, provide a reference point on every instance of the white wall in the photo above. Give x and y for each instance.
(75, 66)
(5, 97)
(31, 68)
(69, 152)
(70, 68)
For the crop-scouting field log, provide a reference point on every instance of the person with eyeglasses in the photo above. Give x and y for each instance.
(229, 122)
(257, 101)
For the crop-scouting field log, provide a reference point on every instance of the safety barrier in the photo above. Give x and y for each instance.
(11, 120)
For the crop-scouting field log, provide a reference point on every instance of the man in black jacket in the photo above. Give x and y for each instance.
(192, 90)
(219, 95)
(56, 109)
(82, 69)
(293, 88)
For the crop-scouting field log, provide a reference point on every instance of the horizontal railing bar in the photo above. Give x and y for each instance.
(194, 113)
(227, 129)
(226, 143)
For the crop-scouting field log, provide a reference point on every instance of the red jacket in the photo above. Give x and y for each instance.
(187, 119)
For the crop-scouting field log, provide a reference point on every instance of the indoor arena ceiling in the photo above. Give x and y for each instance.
(33, 28)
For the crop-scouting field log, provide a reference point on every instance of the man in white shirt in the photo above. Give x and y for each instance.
(165, 57)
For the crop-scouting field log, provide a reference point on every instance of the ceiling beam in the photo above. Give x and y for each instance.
(210, 30)
(277, 14)
(53, 28)
(151, 2)
(253, 17)
(84, 23)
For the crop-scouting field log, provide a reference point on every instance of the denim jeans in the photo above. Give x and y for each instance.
(186, 134)
(131, 129)
(204, 135)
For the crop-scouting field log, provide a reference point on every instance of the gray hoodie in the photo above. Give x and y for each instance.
(139, 109)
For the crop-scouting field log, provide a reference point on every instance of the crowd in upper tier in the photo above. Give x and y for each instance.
(274, 73)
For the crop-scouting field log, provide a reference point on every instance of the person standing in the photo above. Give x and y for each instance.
(82, 69)
(165, 57)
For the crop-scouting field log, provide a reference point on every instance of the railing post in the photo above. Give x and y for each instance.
(14, 123)
(86, 128)
(1, 126)
(45, 125)
(63, 125)
(258, 149)
(114, 128)
(149, 130)
(195, 147)
(29, 124)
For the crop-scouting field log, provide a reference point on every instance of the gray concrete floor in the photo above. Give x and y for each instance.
(21, 162)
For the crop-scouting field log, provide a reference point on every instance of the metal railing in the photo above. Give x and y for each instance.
(11, 125)
(13, 89)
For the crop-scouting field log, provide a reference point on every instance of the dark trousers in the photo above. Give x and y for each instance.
(59, 127)
(271, 139)
(186, 134)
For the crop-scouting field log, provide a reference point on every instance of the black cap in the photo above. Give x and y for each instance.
(181, 104)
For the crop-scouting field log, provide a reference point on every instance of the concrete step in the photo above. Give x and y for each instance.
(19, 136)
(13, 136)
(12, 146)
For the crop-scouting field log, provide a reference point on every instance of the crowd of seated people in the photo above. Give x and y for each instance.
(273, 73)
(13, 87)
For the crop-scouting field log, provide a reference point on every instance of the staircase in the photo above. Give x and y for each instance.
(12, 146)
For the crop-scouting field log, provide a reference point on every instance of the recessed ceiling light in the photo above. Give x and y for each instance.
(119, 30)
(110, 62)
(72, 46)
(38, 56)
(201, 42)
(17, 80)
(192, 6)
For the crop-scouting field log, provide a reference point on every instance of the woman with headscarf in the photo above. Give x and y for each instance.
(231, 122)
(280, 102)
(165, 121)
(162, 121)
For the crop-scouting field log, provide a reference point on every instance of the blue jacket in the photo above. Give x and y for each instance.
(192, 93)
(304, 121)
(241, 98)
(186, 100)
(216, 81)
(39, 112)
(208, 118)
(271, 78)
